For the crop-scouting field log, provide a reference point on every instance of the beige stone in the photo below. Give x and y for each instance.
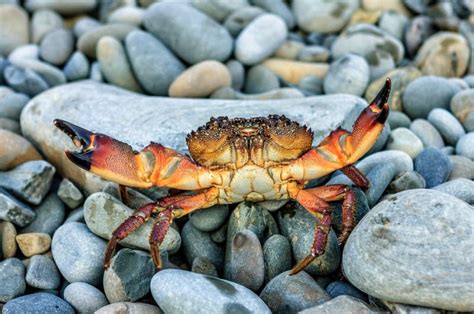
(33, 243)
(14, 28)
(294, 71)
(200, 80)
(385, 5)
(7, 239)
(15, 150)
(363, 16)
(289, 50)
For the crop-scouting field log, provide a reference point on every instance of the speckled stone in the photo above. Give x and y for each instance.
(42, 273)
(202, 265)
(434, 166)
(15, 211)
(461, 188)
(12, 276)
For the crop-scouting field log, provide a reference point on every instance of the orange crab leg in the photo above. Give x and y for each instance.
(342, 148)
(117, 161)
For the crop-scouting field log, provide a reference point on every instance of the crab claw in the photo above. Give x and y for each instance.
(381, 101)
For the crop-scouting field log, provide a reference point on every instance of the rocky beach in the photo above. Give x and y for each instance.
(147, 71)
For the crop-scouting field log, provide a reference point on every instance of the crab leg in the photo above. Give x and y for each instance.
(158, 233)
(342, 148)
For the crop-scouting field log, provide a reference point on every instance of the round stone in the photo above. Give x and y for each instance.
(49, 216)
(434, 166)
(347, 75)
(12, 276)
(57, 46)
(290, 49)
(405, 140)
(42, 273)
(24, 80)
(188, 32)
(33, 243)
(41, 302)
(260, 39)
(295, 71)
(386, 245)
(202, 265)
(337, 288)
(278, 7)
(153, 63)
(260, 80)
(462, 106)
(237, 74)
(427, 133)
(127, 14)
(10, 125)
(461, 188)
(398, 119)
(200, 80)
(70, 194)
(14, 28)
(52, 75)
(463, 167)
(77, 67)
(277, 256)
(239, 19)
(418, 31)
(43, 22)
(219, 9)
(7, 238)
(340, 304)
(407, 181)
(394, 23)
(84, 297)
(62, 7)
(11, 105)
(447, 125)
(379, 177)
(209, 219)
(465, 145)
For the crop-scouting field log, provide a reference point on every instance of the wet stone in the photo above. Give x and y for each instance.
(434, 166)
(70, 194)
(12, 277)
(42, 302)
(202, 265)
(7, 239)
(197, 243)
(407, 181)
(209, 219)
(33, 243)
(447, 125)
(84, 297)
(276, 255)
(15, 211)
(42, 273)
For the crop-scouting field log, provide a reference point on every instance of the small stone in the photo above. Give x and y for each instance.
(418, 31)
(461, 188)
(379, 177)
(202, 265)
(197, 243)
(44, 22)
(41, 302)
(84, 297)
(465, 145)
(194, 37)
(88, 41)
(220, 235)
(30, 181)
(7, 238)
(277, 7)
(434, 166)
(70, 194)
(463, 167)
(49, 216)
(260, 80)
(312, 84)
(395, 5)
(295, 71)
(14, 28)
(338, 288)
(66, 8)
(462, 106)
(77, 67)
(33, 243)
(237, 74)
(52, 75)
(209, 219)
(42, 273)
(292, 294)
(129, 275)
(129, 307)
(78, 253)
(114, 64)
(314, 54)
(14, 211)
(447, 125)
(277, 256)
(260, 39)
(12, 277)
(10, 125)
(239, 19)
(11, 105)
(96, 73)
(200, 80)
(394, 23)
(398, 119)
(153, 63)
(427, 133)
(407, 181)
(76, 215)
(443, 54)
(290, 49)
(128, 15)
(24, 80)
(57, 46)
(340, 304)
(85, 24)
(427, 93)
(405, 140)
(348, 75)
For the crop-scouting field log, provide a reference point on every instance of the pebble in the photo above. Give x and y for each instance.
(449, 127)
(29, 181)
(199, 244)
(427, 93)
(465, 145)
(340, 304)
(467, 30)
(33, 243)
(394, 23)
(85, 298)
(260, 80)
(24, 81)
(361, 208)
(463, 167)
(129, 307)
(398, 119)
(291, 294)
(407, 181)
(128, 15)
(66, 8)
(44, 22)
(42, 273)
(246, 264)
(434, 166)
(200, 80)
(194, 37)
(12, 104)
(462, 106)
(312, 84)
(237, 74)
(14, 211)
(14, 28)
(209, 219)
(417, 32)
(347, 75)
(30, 51)
(395, 5)
(314, 54)
(77, 67)
(239, 19)
(298, 225)
(153, 63)
(290, 49)
(321, 16)
(49, 216)
(443, 54)
(204, 294)
(70, 194)
(220, 235)
(52, 75)
(88, 41)
(295, 71)
(129, 275)
(219, 10)
(338, 288)
(405, 140)
(461, 188)
(95, 73)
(427, 133)
(260, 39)
(202, 265)
(7, 239)
(12, 276)
(41, 302)
(276, 255)
(57, 46)
(103, 214)
(78, 253)
(76, 215)
(379, 177)
(85, 24)
(114, 64)
(394, 231)
(277, 7)
(10, 125)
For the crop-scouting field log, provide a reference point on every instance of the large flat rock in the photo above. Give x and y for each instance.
(138, 119)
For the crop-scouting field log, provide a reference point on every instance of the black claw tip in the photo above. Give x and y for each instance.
(76, 133)
(83, 160)
(382, 97)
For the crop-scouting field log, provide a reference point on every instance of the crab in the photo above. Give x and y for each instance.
(235, 160)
